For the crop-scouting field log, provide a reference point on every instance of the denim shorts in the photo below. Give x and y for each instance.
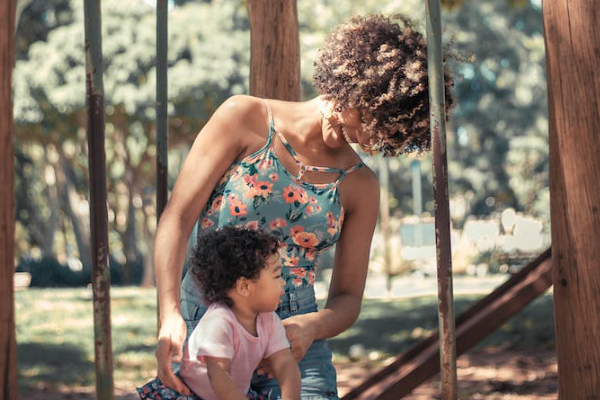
(316, 368)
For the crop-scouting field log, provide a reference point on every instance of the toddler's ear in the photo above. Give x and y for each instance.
(242, 287)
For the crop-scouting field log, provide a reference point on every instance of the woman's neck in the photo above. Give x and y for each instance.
(304, 122)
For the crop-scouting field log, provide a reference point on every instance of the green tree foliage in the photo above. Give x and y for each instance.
(208, 52)
(499, 152)
(497, 133)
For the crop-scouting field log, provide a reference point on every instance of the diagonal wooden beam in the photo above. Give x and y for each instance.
(421, 362)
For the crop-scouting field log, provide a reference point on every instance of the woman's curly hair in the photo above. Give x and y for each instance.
(379, 67)
(224, 255)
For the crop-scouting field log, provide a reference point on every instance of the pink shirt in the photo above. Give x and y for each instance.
(220, 334)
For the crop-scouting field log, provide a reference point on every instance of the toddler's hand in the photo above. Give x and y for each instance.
(300, 334)
(265, 368)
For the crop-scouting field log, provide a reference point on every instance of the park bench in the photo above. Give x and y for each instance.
(22, 280)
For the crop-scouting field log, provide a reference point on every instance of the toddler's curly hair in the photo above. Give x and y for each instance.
(379, 67)
(226, 254)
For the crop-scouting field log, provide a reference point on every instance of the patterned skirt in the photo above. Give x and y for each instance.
(156, 390)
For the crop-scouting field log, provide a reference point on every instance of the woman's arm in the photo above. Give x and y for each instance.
(349, 271)
(223, 139)
(221, 381)
(285, 368)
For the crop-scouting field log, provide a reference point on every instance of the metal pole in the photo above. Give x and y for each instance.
(98, 211)
(442, 208)
(162, 129)
(161, 106)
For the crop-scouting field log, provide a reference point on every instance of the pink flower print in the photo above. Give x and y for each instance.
(216, 204)
(330, 217)
(250, 180)
(302, 196)
(277, 223)
(297, 282)
(311, 277)
(265, 164)
(295, 230)
(252, 225)
(206, 223)
(235, 174)
(237, 208)
(263, 189)
(308, 210)
(317, 208)
(290, 261)
(274, 177)
(304, 239)
(312, 200)
(332, 224)
(298, 272)
(310, 254)
(290, 194)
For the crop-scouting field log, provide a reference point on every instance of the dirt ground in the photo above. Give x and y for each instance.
(489, 374)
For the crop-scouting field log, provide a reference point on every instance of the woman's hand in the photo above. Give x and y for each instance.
(301, 332)
(169, 348)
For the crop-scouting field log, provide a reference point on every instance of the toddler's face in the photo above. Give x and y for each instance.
(268, 288)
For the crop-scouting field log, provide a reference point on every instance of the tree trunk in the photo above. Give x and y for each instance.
(148, 235)
(51, 192)
(69, 199)
(130, 236)
(8, 346)
(572, 57)
(275, 49)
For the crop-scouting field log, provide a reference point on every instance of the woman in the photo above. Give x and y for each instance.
(289, 168)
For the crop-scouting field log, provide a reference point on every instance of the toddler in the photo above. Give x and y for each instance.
(238, 271)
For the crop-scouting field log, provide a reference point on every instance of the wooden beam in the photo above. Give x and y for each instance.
(275, 49)
(8, 345)
(572, 59)
(421, 362)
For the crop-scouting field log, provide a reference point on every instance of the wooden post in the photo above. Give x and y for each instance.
(572, 59)
(275, 49)
(8, 344)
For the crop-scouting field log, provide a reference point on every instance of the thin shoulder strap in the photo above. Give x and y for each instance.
(271, 122)
(349, 170)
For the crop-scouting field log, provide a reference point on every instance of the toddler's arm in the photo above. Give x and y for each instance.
(219, 374)
(287, 374)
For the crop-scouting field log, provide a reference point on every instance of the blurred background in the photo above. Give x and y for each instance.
(497, 155)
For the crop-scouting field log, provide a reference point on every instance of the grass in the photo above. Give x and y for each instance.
(55, 333)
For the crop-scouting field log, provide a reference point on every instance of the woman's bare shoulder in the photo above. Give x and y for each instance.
(242, 110)
(361, 185)
(241, 118)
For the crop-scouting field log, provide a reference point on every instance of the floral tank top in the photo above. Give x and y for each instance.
(259, 192)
